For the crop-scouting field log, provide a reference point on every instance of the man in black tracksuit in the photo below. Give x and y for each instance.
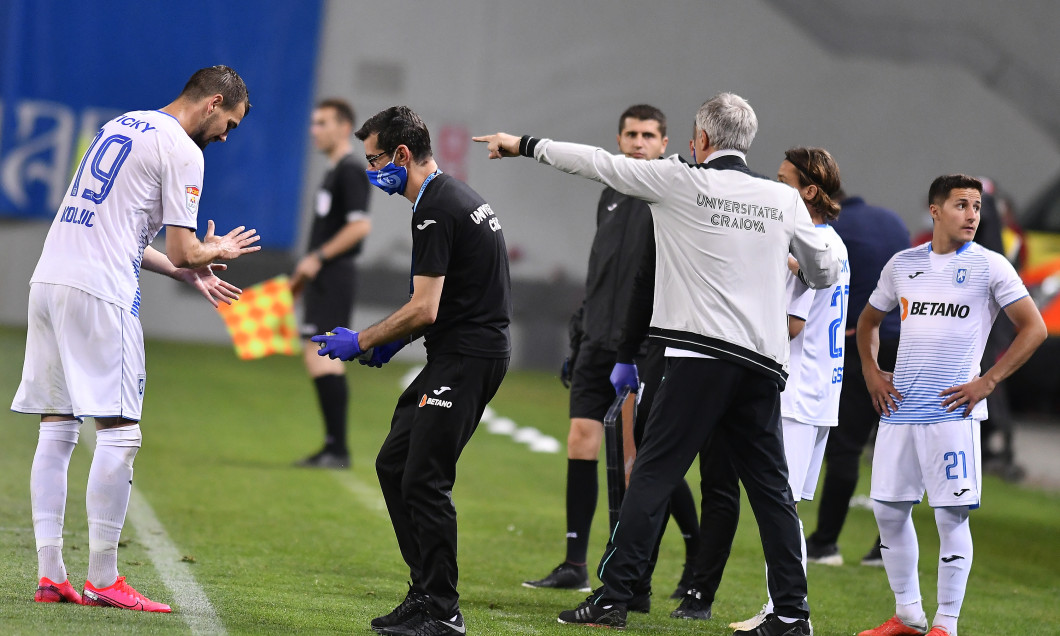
(624, 230)
(461, 304)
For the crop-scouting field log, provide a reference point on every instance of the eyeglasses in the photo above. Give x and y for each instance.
(373, 158)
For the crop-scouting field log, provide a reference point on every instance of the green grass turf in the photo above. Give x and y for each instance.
(284, 550)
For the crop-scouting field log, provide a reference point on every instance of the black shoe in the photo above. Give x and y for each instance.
(640, 603)
(874, 557)
(685, 583)
(773, 626)
(412, 604)
(325, 459)
(606, 614)
(421, 623)
(825, 554)
(692, 607)
(566, 576)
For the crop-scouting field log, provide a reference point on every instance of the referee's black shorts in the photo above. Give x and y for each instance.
(328, 299)
(591, 391)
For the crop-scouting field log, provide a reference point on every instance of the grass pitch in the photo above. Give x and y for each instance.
(283, 550)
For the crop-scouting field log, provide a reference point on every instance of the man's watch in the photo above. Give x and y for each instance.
(319, 253)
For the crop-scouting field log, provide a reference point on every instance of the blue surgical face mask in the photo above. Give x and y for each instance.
(390, 178)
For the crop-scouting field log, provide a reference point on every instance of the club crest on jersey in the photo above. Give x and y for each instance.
(191, 198)
(960, 276)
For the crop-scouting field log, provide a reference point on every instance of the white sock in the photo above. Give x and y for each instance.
(955, 563)
(107, 501)
(47, 487)
(900, 555)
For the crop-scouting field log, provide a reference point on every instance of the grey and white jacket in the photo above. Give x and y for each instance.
(722, 235)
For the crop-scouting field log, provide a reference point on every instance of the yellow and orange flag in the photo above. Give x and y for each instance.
(262, 321)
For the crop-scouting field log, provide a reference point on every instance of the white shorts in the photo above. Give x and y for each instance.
(941, 458)
(804, 448)
(84, 356)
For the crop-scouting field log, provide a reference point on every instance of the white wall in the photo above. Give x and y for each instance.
(567, 69)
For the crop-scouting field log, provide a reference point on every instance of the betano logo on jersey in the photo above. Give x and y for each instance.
(930, 308)
(426, 401)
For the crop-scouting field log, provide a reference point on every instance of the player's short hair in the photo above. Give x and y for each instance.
(729, 121)
(215, 80)
(397, 126)
(815, 166)
(942, 186)
(643, 112)
(343, 109)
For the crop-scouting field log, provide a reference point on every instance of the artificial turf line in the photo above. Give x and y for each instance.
(189, 599)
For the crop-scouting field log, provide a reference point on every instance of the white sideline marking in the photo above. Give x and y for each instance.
(189, 599)
(368, 497)
(537, 441)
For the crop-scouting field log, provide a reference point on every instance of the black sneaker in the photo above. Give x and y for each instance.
(874, 557)
(692, 607)
(421, 623)
(773, 626)
(640, 603)
(325, 459)
(685, 583)
(606, 614)
(825, 554)
(412, 604)
(566, 576)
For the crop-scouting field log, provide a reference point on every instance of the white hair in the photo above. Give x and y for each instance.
(729, 121)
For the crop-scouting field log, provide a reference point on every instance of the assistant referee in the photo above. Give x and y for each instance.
(722, 236)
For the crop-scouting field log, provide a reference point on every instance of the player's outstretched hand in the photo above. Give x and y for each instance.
(341, 344)
(500, 144)
(625, 375)
(236, 243)
(966, 395)
(381, 354)
(885, 397)
(209, 285)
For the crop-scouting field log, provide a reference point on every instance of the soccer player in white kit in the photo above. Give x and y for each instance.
(809, 404)
(950, 291)
(84, 343)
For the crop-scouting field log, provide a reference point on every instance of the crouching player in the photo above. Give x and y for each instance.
(950, 291)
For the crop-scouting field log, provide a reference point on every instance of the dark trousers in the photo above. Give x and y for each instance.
(698, 397)
(433, 421)
(846, 441)
(720, 514)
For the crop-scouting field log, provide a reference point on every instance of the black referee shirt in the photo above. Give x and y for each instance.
(344, 190)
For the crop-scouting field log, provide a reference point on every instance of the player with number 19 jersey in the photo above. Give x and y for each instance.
(97, 240)
(947, 301)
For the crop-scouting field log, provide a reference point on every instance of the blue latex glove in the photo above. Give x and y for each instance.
(341, 344)
(624, 375)
(382, 354)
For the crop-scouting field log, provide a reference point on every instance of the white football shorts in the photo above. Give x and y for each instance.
(84, 356)
(941, 458)
(804, 448)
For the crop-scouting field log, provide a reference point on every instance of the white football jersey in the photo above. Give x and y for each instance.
(815, 364)
(142, 171)
(948, 304)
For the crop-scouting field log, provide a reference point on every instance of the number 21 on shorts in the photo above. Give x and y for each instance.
(954, 459)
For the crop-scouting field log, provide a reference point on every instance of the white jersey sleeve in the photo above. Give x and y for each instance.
(181, 185)
(884, 297)
(800, 297)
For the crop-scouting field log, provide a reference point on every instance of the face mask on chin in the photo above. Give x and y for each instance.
(390, 178)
